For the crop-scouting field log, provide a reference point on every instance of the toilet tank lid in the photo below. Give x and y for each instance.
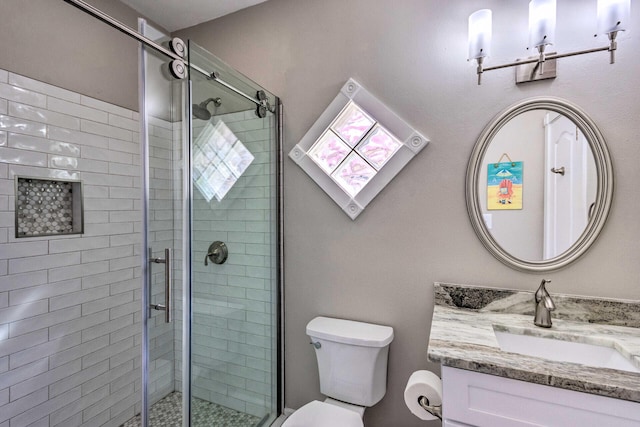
(350, 332)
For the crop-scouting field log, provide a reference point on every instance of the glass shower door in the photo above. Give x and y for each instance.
(162, 116)
(234, 257)
(211, 231)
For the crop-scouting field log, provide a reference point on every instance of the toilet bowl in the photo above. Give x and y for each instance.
(318, 413)
(352, 366)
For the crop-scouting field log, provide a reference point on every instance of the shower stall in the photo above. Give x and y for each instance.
(160, 303)
(211, 243)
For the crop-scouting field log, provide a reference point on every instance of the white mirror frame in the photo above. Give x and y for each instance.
(604, 193)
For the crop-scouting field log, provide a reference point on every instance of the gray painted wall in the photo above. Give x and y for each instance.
(55, 42)
(411, 55)
(381, 267)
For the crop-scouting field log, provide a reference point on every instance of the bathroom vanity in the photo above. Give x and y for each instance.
(498, 369)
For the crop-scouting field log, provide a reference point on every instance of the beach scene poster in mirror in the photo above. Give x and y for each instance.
(504, 186)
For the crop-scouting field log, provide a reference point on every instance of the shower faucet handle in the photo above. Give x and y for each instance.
(217, 253)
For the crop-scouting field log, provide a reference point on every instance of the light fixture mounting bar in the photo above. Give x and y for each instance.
(547, 57)
(613, 45)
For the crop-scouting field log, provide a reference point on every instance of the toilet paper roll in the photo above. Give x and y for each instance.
(427, 384)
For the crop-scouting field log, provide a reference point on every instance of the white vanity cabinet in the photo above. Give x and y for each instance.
(481, 400)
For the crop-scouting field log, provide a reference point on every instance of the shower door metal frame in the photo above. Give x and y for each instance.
(144, 152)
(146, 254)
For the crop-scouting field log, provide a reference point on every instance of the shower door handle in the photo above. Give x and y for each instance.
(167, 284)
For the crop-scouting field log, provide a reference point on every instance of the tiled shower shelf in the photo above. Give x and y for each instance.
(46, 207)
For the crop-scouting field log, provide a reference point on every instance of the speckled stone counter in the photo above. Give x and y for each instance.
(465, 317)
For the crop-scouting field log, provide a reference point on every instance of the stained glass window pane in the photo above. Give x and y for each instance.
(353, 174)
(329, 151)
(352, 124)
(378, 147)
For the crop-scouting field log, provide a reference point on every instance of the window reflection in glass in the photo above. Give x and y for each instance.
(219, 160)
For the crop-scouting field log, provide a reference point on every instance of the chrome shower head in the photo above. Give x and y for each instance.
(201, 112)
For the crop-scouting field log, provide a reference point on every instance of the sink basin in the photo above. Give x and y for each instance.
(564, 351)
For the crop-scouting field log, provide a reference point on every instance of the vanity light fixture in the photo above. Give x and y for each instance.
(613, 16)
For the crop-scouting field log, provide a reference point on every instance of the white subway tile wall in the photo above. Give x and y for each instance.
(233, 302)
(70, 306)
(70, 322)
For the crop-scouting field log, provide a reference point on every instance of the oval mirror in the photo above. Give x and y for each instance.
(539, 184)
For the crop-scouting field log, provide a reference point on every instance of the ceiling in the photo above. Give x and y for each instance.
(178, 14)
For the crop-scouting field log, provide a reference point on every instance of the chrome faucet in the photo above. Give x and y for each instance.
(544, 306)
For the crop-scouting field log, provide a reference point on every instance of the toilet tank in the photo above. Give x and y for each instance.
(352, 359)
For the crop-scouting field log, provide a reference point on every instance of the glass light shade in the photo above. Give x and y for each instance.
(542, 22)
(479, 33)
(613, 15)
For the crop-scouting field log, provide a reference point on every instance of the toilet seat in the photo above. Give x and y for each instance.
(321, 414)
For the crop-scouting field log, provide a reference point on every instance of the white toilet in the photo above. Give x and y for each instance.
(352, 363)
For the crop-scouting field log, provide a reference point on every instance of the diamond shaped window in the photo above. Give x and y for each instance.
(367, 144)
(356, 143)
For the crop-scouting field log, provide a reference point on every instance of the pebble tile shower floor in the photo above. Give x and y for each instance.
(167, 412)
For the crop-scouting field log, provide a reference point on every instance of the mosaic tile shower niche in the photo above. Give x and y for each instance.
(46, 207)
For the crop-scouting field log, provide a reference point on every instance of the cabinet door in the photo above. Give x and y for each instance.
(484, 400)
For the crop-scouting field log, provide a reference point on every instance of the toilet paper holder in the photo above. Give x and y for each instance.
(435, 410)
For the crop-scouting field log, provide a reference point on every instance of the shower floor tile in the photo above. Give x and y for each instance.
(167, 412)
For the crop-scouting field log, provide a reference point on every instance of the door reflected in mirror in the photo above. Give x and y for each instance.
(556, 186)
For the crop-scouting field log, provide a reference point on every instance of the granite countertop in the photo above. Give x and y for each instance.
(465, 317)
